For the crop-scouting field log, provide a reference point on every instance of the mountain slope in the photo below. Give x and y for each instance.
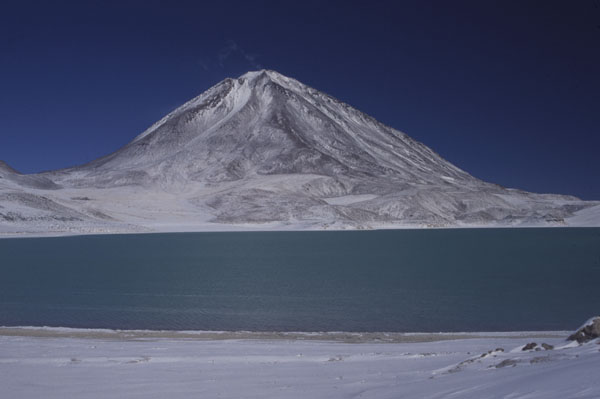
(264, 123)
(264, 148)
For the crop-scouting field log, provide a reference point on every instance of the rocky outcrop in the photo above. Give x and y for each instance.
(589, 331)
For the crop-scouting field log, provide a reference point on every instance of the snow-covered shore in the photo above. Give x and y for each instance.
(60, 363)
(23, 232)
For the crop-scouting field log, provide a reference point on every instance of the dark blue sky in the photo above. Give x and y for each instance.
(507, 90)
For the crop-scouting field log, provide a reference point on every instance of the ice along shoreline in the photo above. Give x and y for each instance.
(280, 229)
(329, 336)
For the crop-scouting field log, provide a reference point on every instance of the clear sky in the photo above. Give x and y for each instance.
(507, 90)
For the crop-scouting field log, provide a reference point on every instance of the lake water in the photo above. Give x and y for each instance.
(395, 280)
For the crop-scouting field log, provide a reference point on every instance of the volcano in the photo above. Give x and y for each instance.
(266, 151)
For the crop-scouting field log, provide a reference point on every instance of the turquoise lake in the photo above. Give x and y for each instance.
(389, 280)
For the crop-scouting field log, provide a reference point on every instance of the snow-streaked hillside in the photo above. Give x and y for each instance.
(265, 151)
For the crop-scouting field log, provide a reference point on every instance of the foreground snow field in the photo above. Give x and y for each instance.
(78, 364)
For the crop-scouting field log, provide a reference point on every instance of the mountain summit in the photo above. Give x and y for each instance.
(267, 150)
(264, 123)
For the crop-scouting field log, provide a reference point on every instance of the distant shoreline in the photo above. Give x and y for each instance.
(59, 234)
(333, 336)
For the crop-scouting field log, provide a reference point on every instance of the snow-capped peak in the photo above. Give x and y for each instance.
(265, 148)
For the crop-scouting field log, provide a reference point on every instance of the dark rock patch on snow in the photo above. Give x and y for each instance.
(589, 331)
